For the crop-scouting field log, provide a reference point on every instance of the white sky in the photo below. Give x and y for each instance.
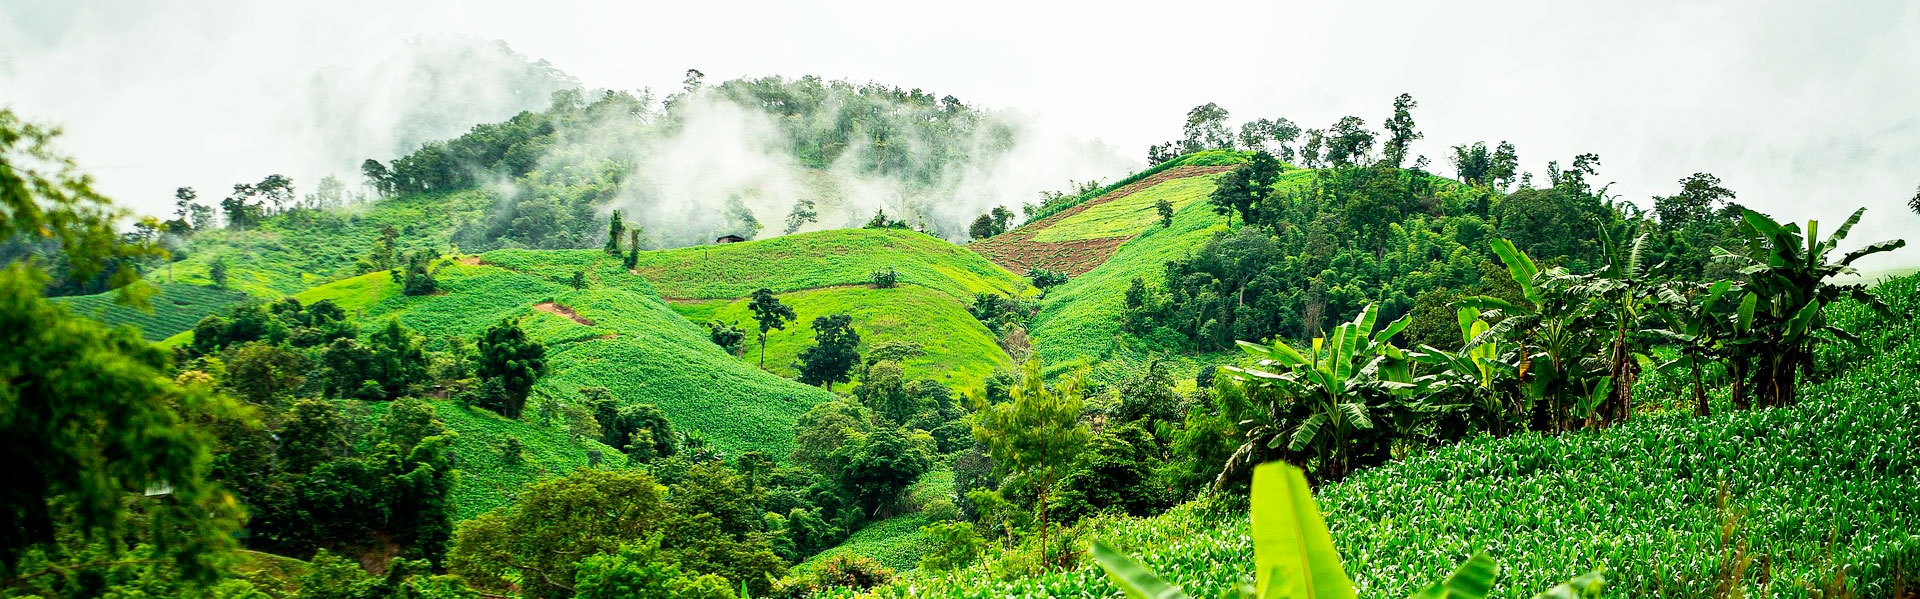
(1807, 110)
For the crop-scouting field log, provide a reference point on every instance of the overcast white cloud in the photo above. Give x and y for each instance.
(1806, 110)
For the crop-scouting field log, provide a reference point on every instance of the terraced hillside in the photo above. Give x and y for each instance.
(1809, 496)
(818, 273)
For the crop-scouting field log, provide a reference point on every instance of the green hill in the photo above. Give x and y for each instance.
(1819, 490)
(614, 336)
(818, 273)
(618, 338)
(1080, 322)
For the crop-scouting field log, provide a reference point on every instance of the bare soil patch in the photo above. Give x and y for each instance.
(1017, 251)
(557, 309)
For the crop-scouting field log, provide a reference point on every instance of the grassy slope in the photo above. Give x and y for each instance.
(817, 273)
(1079, 322)
(958, 349)
(820, 259)
(1823, 485)
(175, 308)
(487, 480)
(636, 346)
(1131, 214)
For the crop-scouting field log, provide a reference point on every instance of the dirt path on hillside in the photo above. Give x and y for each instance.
(1017, 251)
(559, 310)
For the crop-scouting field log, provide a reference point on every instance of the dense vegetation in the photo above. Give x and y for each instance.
(1692, 400)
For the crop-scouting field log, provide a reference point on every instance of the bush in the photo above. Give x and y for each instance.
(885, 279)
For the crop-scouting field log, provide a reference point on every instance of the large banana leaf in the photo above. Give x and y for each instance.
(1584, 586)
(1292, 549)
(1134, 579)
(1520, 266)
(1471, 580)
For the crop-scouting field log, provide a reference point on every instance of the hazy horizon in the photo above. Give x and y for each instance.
(1804, 113)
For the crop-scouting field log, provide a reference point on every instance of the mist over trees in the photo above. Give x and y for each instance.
(713, 160)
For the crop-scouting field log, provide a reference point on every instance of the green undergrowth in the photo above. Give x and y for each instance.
(957, 350)
(1662, 502)
(896, 542)
(174, 308)
(1131, 214)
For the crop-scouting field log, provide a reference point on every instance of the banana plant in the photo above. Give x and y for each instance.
(1780, 317)
(1628, 304)
(1475, 376)
(1332, 406)
(1700, 324)
(1552, 327)
(1294, 556)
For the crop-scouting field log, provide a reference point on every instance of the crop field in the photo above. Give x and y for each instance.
(1131, 214)
(822, 259)
(894, 542)
(637, 347)
(487, 478)
(1019, 250)
(959, 351)
(655, 356)
(1812, 491)
(175, 308)
(284, 257)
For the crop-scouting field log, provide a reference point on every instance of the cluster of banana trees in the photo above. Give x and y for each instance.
(1565, 354)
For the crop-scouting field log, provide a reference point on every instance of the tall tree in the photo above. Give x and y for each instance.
(1037, 436)
(515, 361)
(1700, 196)
(90, 411)
(1348, 142)
(1206, 129)
(1400, 131)
(803, 212)
(614, 228)
(772, 316)
(836, 348)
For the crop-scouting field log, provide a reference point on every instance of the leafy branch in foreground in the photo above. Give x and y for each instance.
(1295, 557)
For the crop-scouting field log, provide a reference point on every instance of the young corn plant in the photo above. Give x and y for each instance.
(1294, 556)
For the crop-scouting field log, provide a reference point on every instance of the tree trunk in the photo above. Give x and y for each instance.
(1700, 407)
(1739, 371)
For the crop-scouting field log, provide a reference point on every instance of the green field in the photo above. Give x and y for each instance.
(822, 259)
(1131, 214)
(959, 351)
(1816, 488)
(174, 308)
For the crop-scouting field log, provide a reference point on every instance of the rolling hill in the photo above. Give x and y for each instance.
(818, 273)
